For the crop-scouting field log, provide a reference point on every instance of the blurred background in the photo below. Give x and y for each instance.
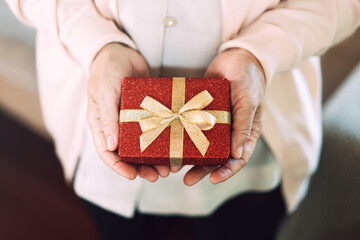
(36, 203)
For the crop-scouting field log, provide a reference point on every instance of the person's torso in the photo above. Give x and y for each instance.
(177, 38)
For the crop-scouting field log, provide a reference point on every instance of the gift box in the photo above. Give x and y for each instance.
(176, 121)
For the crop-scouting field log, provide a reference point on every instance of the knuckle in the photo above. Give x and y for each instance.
(97, 129)
(117, 165)
(256, 131)
(234, 165)
(240, 121)
(229, 170)
(108, 125)
(243, 133)
(243, 111)
(249, 98)
(245, 161)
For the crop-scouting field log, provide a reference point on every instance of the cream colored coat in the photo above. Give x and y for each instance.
(283, 35)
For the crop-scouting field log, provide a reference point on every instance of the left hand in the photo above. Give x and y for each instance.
(114, 62)
(247, 83)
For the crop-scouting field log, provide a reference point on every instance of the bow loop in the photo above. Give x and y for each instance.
(156, 108)
(198, 102)
(150, 123)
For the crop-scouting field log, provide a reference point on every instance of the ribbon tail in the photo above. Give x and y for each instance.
(197, 137)
(148, 137)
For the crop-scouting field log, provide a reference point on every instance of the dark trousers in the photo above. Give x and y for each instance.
(248, 216)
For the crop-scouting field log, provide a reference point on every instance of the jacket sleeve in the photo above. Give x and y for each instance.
(282, 37)
(79, 27)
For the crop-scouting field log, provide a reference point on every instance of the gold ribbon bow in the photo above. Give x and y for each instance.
(190, 115)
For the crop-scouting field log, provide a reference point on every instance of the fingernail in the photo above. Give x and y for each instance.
(238, 152)
(164, 175)
(213, 180)
(110, 142)
(222, 174)
(174, 168)
(153, 180)
(188, 182)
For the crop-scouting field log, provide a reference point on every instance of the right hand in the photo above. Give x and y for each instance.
(114, 62)
(247, 83)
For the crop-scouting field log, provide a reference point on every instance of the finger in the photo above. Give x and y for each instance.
(108, 102)
(227, 170)
(243, 115)
(147, 172)
(249, 146)
(196, 173)
(110, 158)
(120, 167)
(232, 166)
(175, 168)
(163, 170)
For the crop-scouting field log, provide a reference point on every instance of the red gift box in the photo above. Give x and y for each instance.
(175, 120)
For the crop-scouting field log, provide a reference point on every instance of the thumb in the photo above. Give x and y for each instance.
(108, 105)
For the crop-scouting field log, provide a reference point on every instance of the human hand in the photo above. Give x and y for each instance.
(114, 62)
(247, 83)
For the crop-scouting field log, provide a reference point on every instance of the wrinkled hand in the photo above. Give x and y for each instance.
(111, 65)
(247, 84)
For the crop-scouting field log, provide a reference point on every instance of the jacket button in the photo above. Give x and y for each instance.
(169, 21)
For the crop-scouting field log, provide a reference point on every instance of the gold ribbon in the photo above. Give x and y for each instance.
(156, 117)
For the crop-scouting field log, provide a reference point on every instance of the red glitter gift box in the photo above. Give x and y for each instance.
(181, 121)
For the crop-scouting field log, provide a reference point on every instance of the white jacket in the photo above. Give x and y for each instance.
(283, 35)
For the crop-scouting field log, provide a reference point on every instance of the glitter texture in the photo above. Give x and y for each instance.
(134, 90)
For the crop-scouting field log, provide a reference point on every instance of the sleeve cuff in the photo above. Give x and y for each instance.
(269, 44)
(90, 36)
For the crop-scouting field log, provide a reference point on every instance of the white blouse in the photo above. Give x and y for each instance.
(177, 38)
